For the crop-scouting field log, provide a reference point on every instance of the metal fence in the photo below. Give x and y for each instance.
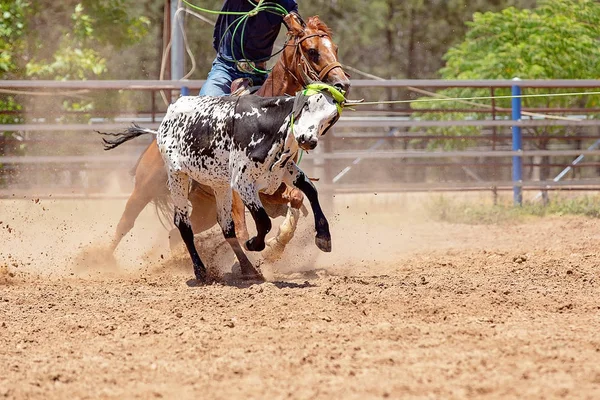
(381, 147)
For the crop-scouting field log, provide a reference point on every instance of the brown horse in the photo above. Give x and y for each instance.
(309, 54)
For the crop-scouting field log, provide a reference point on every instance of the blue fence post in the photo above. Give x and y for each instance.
(185, 91)
(517, 145)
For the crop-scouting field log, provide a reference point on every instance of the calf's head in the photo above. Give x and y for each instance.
(315, 111)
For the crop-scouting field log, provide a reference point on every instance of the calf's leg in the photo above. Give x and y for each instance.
(203, 215)
(249, 196)
(283, 195)
(179, 185)
(224, 198)
(297, 178)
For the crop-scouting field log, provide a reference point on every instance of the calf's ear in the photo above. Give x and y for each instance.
(294, 24)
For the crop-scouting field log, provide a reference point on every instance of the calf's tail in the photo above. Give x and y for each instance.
(131, 132)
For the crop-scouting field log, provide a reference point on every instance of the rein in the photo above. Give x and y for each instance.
(305, 66)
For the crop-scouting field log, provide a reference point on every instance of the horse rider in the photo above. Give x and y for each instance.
(244, 55)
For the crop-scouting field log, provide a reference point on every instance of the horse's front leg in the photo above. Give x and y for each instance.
(285, 195)
(179, 185)
(296, 177)
(224, 198)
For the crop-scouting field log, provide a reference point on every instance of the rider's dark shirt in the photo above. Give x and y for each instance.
(259, 33)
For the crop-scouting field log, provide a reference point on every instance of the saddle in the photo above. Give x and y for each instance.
(242, 86)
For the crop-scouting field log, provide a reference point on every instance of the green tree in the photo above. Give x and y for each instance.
(66, 39)
(60, 40)
(12, 32)
(557, 40)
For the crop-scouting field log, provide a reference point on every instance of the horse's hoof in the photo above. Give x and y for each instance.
(273, 250)
(254, 245)
(323, 243)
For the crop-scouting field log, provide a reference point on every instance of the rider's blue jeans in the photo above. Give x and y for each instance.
(222, 73)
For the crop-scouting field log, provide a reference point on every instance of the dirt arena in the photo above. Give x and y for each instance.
(404, 307)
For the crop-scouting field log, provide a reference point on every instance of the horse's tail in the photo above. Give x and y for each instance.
(131, 132)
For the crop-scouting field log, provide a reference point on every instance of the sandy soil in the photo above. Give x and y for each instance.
(404, 307)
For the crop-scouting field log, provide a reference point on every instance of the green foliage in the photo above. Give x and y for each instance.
(557, 40)
(69, 64)
(90, 26)
(109, 22)
(12, 28)
(65, 40)
(399, 39)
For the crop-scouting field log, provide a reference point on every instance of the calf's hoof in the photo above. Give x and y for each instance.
(323, 243)
(194, 283)
(200, 273)
(255, 245)
(253, 277)
(246, 273)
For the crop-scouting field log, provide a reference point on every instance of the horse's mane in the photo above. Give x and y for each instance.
(315, 22)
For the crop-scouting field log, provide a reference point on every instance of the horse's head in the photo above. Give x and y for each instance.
(310, 53)
(315, 110)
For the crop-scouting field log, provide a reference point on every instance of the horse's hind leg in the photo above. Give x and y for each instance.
(138, 199)
(224, 199)
(150, 178)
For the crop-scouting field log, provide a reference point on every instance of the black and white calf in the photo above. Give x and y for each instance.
(247, 144)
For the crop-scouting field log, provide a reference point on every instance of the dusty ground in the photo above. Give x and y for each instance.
(404, 307)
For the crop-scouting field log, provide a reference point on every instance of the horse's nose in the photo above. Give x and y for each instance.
(343, 86)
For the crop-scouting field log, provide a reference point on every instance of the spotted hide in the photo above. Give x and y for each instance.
(246, 144)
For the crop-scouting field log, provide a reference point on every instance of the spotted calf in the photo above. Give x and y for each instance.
(247, 144)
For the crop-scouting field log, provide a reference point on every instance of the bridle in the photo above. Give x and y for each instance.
(307, 72)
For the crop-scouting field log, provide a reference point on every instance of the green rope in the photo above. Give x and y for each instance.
(292, 129)
(266, 6)
(338, 95)
(314, 88)
(214, 11)
(257, 8)
(523, 96)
